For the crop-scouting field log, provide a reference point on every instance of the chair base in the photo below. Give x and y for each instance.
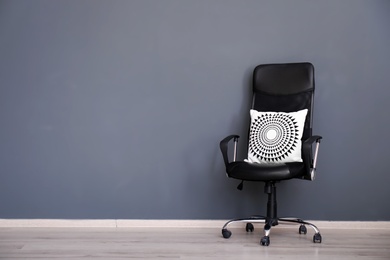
(265, 240)
(271, 220)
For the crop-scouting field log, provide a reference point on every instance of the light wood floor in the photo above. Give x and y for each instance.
(189, 243)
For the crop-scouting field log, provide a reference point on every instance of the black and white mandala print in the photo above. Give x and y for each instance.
(273, 136)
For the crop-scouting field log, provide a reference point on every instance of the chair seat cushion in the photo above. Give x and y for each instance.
(264, 172)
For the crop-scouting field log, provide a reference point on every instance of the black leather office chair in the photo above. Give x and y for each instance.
(281, 88)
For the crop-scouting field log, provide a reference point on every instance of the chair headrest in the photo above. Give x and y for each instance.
(283, 79)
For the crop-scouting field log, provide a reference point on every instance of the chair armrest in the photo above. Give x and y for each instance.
(312, 139)
(223, 145)
(307, 155)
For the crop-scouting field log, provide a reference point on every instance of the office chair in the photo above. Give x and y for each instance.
(280, 145)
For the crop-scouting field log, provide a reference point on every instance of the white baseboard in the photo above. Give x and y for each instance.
(171, 223)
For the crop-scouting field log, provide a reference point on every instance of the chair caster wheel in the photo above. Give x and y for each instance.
(226, 233)
(317, 238)
(265, 241)
(249, 227)
(302, 229)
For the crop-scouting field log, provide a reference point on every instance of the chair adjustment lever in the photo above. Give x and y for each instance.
(240, 186)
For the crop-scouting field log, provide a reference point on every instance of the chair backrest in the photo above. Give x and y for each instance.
(285, 87)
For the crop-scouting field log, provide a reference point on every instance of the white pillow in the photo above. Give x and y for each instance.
(275, 137)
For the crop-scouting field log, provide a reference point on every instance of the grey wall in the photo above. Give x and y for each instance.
(114, 109)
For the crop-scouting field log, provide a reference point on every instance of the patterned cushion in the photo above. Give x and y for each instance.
(275, 137)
